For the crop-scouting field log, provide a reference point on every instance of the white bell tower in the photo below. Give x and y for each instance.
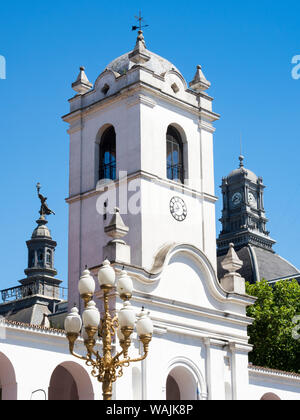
(141, 140)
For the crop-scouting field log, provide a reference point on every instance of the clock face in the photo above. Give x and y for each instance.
(236, 198)
(251, 198)
(178, 209)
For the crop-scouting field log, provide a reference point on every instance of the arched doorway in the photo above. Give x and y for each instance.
(181, 384)
(70, 381)
(270, 396)
(8, 384)
(173, 391)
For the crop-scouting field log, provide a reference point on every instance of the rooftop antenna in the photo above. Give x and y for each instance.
(140, 25)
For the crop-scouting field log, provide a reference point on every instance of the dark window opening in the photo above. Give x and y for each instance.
(107, 168)
(31, 259)
(105, 89)
(49, 258)
(40, 257)
(175, 170)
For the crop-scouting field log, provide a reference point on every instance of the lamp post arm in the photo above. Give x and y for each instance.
(114, 325)
(145, 339)
(128, 361)
(72, 337)
(97, 365)
(116, 357)
(90, 359)
(78, 356)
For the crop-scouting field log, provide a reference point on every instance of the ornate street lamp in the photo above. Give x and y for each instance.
(107, 367)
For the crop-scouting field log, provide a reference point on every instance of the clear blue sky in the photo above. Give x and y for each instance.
(245, 49)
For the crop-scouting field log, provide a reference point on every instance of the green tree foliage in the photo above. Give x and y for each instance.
(271, 333)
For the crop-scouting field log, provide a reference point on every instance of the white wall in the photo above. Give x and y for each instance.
(34, 355)
(262, 381)
(200, 329)
(140, 106)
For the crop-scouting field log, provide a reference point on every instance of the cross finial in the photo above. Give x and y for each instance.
(140, 21)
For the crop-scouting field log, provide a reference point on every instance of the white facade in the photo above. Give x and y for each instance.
(200, 345)
(202, 348)
(140, 105)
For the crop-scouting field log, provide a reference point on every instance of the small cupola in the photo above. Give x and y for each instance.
(41, 247)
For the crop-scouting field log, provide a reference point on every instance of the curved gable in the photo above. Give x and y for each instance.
(183, 273)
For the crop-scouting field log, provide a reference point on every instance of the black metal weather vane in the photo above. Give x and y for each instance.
(140, 19)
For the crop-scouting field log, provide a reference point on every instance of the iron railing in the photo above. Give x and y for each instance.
(37, 288)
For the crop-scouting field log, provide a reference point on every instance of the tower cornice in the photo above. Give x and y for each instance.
(193, 106)
(243, 238)
(178, 187)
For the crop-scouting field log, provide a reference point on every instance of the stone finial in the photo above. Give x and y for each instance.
(116, 228)
(116, 249)
(140, 42)
(241, 159)
(199, 83)
(232, 281)
(231, 262)
(139, 55)
(82, 84)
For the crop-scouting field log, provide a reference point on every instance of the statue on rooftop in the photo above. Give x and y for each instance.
(44, 207)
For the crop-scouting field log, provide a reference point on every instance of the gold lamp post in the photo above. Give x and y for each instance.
(107, 366)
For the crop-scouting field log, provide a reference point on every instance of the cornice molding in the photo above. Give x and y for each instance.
(195, 310)
(22, 326)
(140, 99)
(273, 373)
(136, 87)
(244, 238)
(161, 261)
(180, 188)
(217, 337)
